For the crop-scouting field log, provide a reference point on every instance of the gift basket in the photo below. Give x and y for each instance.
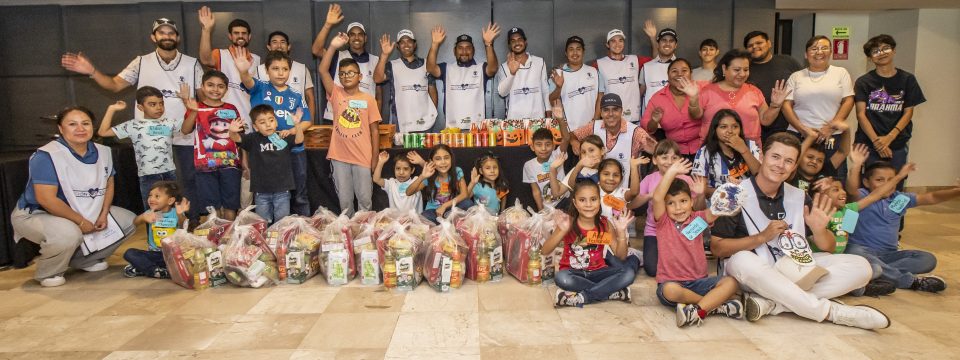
(336, 252)
(322, 217)
(247, 217)
(402, 260)
(444, 265)
(297, 248)
(508, 223)
(367, 256)
(485, 251)
(193, 261)
(248, 260)
(213, 228)
(524, 260)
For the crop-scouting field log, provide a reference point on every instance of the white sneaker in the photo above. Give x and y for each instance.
(53, 281)
(100, 266)
(860, 316)
(756, 306)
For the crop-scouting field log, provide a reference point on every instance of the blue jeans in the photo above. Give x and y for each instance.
(183, 157)
(699, 286)
(272, 206)
(650, 255)
(300, 204)
(898, 160)
(147, 181)
(145, 261)
(898, 266)
(431, 214)
(597, 285)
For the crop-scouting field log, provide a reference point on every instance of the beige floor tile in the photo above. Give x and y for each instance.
(438, 353)
(552, 352)
(519, 328)
(77, 302)
(433, 329)
(295, 300)
(148, 355)
(664, 325)
(719, 349)
(606, 323)
(358, 299)
(622, 351)
(56, 355)
(900, 342)
(33, 333)
(265, 332)
(812, 346)
(228, 300)
(509, 294)
(338, 354)
(643, 292)
(150, 302)
(428, 300)
(103, 333)
(15, 302)
(238, 354)
(369, 330)
(181, 332)
(787, 324)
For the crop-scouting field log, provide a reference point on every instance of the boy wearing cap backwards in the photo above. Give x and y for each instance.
(299, 79)
(620, 72)
(576, 86)
(463, 84)
(653, 75)
(356, 50)
(522, 80)
(413, 101)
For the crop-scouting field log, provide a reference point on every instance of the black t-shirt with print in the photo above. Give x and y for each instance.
(270, 168)
(885, 100)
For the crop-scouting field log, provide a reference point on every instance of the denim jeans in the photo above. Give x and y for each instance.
(432, 213)
(899, 266)
(650, 254)
(147, 181)
(301, 203)
(597, 285)
(145, 261)
(272, 206)
(187, 173)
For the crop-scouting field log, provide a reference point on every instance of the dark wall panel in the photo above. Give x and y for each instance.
(294, 18)
(30, 30)
(591, 20)
(94, 30)
(698, 20)
(662, 12)
(28, 99)
(749, 15)
(536, 20)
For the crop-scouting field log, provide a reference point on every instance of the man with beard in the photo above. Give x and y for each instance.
(238, 32)
(356, 49)
(522, 80)
(165, 69)
(653, 74)
(413, 101)
(619, 72)
(465, 83)
(765, 70)
(299, 80)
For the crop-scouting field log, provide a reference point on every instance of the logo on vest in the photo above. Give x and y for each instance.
(92, 193)
(414, 88)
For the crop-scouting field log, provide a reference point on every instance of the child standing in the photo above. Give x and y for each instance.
(268, 156)
(396, 188)
(682, 279)
(442, 183)
(215, 154)
(150, 136)
(355, 140)
(536, 171)
(164, 215)
(594, 265)
(486, 184)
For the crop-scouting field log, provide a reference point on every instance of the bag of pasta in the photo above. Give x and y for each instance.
(336, 252)
(485, 251)
(248, 260)
(444, 266)
(193, 261)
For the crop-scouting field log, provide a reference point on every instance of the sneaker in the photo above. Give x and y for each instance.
(635, 252)
(878, 287)
(732, 309)
(161, 273)
(131, 272)
(929, 283)
(53, 281)
(756, 306)
(568, 298)
(100, 266)
(688, 314)
(860, 316)
(622, 295)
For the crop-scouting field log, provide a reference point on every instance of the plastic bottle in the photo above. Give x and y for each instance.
(533, 266)
(389, 270)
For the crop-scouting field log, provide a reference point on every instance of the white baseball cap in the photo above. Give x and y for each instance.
(407, 33)
(356, 24)
(615, 32)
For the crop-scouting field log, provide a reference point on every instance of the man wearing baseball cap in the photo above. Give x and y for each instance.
(413, 93)
(653, 75)
(465, 82)
(623, 140)
(577, 87)
(299, 79)
(620, 73)
(238, 32)
(356, 49)
(166, 69)
(522, 80)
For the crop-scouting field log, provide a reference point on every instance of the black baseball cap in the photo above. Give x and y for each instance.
(516, 30)
(667, 32)
(575, 39)
(611, 99)
(464, 38)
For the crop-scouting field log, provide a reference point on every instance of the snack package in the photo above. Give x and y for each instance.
(524, 260)
(367, 255)
(336, 252)
(322, 217)
(508, 223)
(247, 217)
(193, 261)
(402, 258)
(248, 260)
(485, 250)
(445, 258)
(213, 228)
(297, 249)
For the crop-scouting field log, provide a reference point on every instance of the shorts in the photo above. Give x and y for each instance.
(700, 287)
(219, 188)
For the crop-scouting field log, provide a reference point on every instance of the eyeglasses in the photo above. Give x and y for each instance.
(819, 49)
(348, 74)
(880, 51)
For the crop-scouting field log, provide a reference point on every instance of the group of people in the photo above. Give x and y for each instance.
(646, 131)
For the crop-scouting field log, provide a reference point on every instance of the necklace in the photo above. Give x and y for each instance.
(817, 79)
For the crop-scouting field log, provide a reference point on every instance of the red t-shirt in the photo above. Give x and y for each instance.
(213, 149)
(584, 249)
(679, 259)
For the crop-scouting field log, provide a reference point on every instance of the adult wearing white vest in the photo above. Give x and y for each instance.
(623, 140)
(522, 80)
(165, 69)
(65, 207)
(299, 79)
(620, 73)
(653, 74)
(465, 83)
(577, 87)
(356, 49)
(238, 32)
(768, 235)
(413, 101)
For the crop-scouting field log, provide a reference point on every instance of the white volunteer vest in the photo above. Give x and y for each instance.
(526, 98)
(621, 77)
(296, 81)
(579, 95)
(235, 94)
(415, 110)
(366, 82)
(168, 82)
(655, 77)
(756, 220)
(463, 95)
(621, 151)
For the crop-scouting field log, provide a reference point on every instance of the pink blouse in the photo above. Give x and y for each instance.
(676, 121)
(747, 102)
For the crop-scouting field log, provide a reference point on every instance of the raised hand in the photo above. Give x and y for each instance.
(699, 185)
(822, 184)
(183, 206)
(77, 63)
(558, 162)
(779, 93)
(297, 115)
(438, 34)
(736, 143)
(589, 161)
(415, 158)
(906, 170)
(817, 217)
(622, 220)
(386, 46)
(236, 125)
(681, 166)
(188, 102)
(688, 87)
(339, 40)
(562, 222)
(557, 76)
(490, 33)
(206, 18)
(637, 161)
(428, 170)
(656, 115)
(383, 157)
(474, 176)
(557, 107)
(117, 106)
(649, 28)
(334, 15)
(512, 63)
(859, 154)
(241, 61)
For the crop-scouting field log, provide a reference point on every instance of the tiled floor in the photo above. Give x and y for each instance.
(103, 315)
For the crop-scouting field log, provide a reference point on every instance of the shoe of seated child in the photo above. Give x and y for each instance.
(756, 306)
(622, 295)
(568, 298)
(689, 314)
(731, 308)
(131, 272)
(879, 287)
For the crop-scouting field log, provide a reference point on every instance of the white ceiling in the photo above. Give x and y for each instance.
(866, 4)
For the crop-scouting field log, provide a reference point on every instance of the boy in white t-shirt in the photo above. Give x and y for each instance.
(536, 171)
(396, 188)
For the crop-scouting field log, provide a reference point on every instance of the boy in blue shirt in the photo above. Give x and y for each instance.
(285, 102)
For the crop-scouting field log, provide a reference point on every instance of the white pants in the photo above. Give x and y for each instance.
(755, 274)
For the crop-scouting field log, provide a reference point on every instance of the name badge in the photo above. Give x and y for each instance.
(358, 104)
(899, 203)
(614, 203)
(226, 114)
(594, 238)
(166, 221)
(277, 141)
(159, 130)
(694, 229)
(403, 188)
(546, 167)
(850, 218)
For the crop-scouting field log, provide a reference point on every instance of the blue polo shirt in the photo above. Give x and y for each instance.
(43, 172)
(878, 226)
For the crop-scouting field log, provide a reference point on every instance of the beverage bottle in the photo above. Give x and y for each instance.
(389, 270)
(533, 266)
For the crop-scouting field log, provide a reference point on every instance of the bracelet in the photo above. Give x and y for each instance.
(94, 73)
(80, 225)
(897, 129)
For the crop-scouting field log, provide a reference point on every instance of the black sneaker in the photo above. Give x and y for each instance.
(161, 273)
(929, 283)
(622, 295)
(131, 272)
(879, 287)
